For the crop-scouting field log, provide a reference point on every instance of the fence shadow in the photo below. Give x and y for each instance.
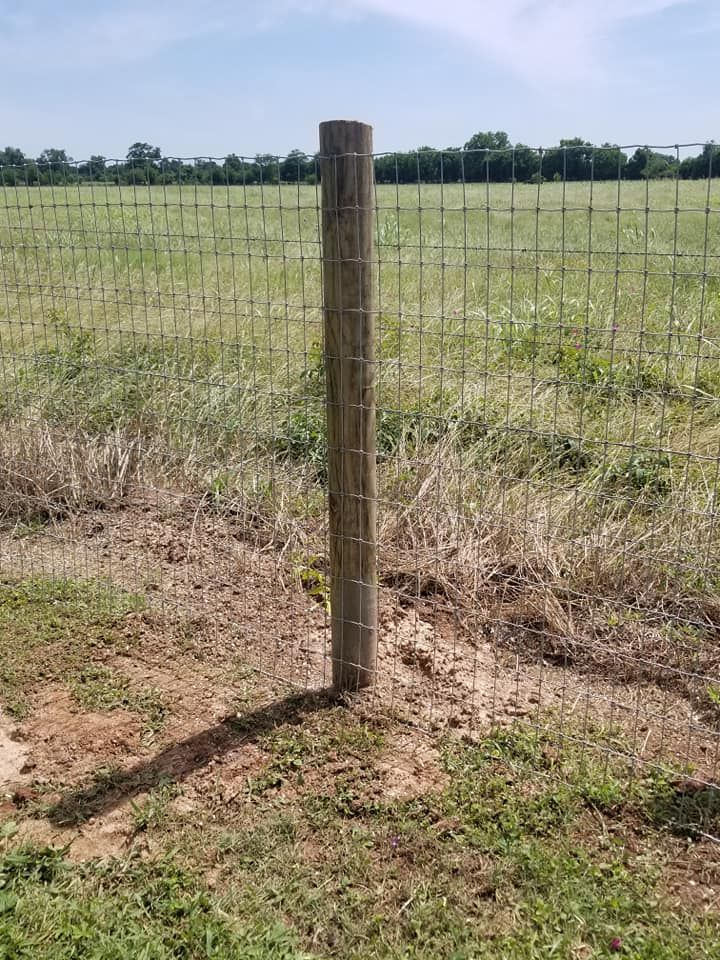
(179, 760)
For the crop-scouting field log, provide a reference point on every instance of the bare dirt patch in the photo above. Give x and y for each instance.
(107, 836)
(67, 742)
(692, 877)
(220, 602)
(409, 768)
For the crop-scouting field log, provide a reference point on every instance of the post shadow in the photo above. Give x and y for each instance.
(179, 760)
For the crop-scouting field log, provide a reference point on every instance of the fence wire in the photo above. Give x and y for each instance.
(547, 426)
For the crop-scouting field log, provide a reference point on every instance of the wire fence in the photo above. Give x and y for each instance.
(548, 439)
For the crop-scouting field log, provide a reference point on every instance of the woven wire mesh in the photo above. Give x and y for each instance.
(547, 425)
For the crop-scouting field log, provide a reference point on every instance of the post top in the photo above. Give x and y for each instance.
(332, 123)
(345, 136)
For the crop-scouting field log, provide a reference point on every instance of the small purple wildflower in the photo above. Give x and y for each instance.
(395, 842)
(616, 944)
(615, 328)
(578, 346)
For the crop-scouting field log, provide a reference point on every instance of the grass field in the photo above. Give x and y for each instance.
(548, 374)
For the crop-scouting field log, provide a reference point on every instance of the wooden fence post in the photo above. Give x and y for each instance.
(348, 200)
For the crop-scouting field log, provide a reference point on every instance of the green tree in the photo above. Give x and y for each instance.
(295, 167)
(143, 164)
(12, 157)
(14, 168)
(54, 156)
(237, 170)
(571, 160)
(452, 164)
(706, 164)
(267, 168)
(143, 152)
(488, 157)
(53, 167)
(608, 162)
(647, 164)
(428, 164)
(527, 164)
(94, 169)
(385, 168)
(207, 171)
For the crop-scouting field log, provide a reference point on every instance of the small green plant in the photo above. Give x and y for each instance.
(313, 580)
(391, 233)
(28, 528)
(99, 688)
(218, 491)
(643, 470)
(288, 755)
(564, 452)
(582, 369)
(153, 811)
(8, 830)
(303, 436)
(313, 373)
(73, 348)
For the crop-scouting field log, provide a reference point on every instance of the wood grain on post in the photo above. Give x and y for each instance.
(346, 171)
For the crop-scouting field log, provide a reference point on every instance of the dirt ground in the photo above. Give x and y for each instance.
(219, 605)
(12, 752)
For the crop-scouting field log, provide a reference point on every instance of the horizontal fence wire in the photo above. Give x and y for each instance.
(548, 429)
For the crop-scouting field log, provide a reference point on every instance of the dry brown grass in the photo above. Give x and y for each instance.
(543, 568)
(48, 472)
(549, 573)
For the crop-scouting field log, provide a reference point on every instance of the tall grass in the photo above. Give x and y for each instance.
(549, 386)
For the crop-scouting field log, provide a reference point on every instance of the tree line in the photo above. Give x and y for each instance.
(486, 157)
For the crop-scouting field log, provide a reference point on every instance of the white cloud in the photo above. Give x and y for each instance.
(105, 35)
(540, 40)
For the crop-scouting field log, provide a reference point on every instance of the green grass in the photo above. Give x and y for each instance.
(502, 862)
(53, 630)
(103, 911)
(510, 860)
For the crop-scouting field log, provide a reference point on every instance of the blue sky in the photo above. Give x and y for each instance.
(258, 75)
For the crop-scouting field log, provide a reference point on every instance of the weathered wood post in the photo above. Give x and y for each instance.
(348, 200)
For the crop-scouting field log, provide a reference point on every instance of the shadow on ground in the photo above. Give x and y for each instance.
(178, 761)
